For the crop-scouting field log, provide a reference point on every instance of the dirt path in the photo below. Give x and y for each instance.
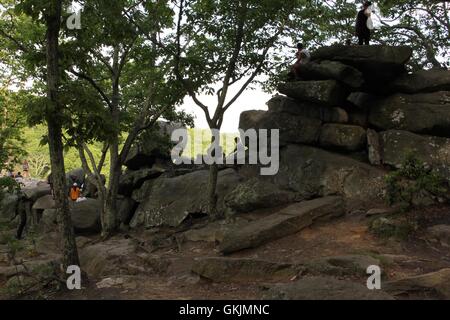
(348, 235)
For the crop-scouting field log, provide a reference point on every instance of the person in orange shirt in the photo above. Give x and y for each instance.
(75, 192)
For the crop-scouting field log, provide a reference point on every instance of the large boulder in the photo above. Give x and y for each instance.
(374, 61)
(374, 148)
(219, 269)
(86, 216)
(132, 180)
(422, 81)
(282, 104)
(361, 100)
(171, 200)
(324, 288)
(139, 195)
(153, 146)
(433, 151)
(48, 221)
(281, 224)
(125, 209)
(43, 203)
(34, 193)
(326, 92)
(255, 194)
(343, 137)
(293, 129)
(421, 113)
(108, 258)
(91, 189)
(313, 172)
(325, 70)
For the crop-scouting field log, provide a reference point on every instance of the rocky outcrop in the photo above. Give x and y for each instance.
(283, 223)
(295, 129)
(422, 81)
(346, 137)
(132, 180)
(324, 288)
(43, 203)
(86, 216)
(255, 194)
(171, 200)
(313, 172)
(326, 92)
(282, 104)
(427, 113)
(374, 148)
(34, 193)
(326, 69)
(433, 151)
(336, 135)
(374, 61)
(125, 209)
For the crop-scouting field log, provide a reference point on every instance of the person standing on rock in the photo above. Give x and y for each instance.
(362, 21)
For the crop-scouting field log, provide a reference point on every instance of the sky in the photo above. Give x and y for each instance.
(249, 100)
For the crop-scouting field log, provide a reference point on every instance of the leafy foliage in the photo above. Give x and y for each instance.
(412, 180)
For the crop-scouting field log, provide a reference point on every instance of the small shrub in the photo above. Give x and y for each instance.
(412, 181)
(8, 185)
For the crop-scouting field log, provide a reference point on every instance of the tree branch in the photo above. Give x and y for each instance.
(94, 84)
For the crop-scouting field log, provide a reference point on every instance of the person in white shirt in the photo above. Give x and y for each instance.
(303, 56)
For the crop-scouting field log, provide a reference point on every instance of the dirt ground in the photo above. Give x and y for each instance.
(347, 235)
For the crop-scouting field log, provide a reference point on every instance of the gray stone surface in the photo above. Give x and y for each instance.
(281, 224)
(427, 113)
(343, 137)
(325, 92)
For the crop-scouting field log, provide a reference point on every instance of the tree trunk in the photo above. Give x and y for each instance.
(212, 184)
(70, 253)
(110, 216)
(212, 196)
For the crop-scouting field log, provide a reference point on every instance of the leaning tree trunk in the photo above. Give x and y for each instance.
(54, 116)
